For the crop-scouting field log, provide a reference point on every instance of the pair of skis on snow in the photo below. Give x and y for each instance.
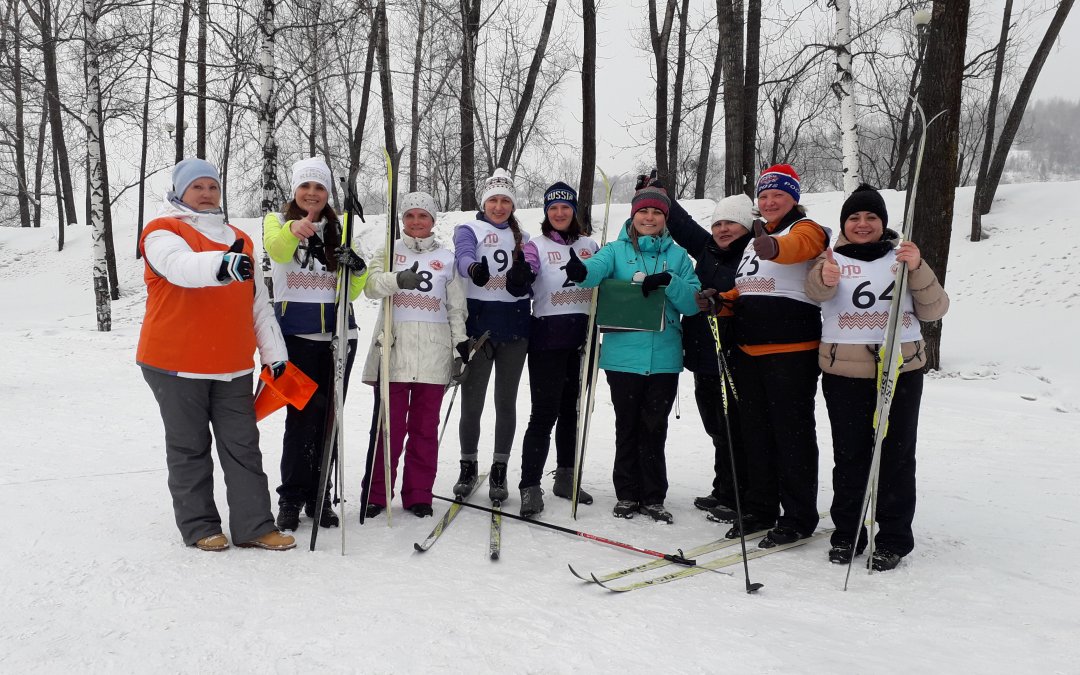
(494, 532)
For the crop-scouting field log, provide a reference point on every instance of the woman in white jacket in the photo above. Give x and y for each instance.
(206, 311)
(429, 321)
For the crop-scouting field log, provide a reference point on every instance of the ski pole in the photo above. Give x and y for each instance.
(678, 559)
(725, 375)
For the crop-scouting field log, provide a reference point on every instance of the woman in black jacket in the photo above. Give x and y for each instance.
(717, 255)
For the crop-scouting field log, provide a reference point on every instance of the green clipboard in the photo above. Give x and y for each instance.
(621, 307)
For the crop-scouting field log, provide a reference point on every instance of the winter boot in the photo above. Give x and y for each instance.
(374, 510)
(564, 486)
(722, 514)
(271, 541)
(215, 542)
(707, 502)
(532, 501)
(467, 480)
(780, 535)
(422, 510)
(840, 553)
(658, 513)
(497, 490)
(626, 508)
(883, 560)
(288, 517)
(750, 525)
(328, 517)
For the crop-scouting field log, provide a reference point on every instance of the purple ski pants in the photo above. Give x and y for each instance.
(414, 412)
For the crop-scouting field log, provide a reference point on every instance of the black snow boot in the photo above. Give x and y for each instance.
(532, 501)
(422, 510)
(840, 553)
(497, 490)
(751, 524)
(658, 513)
(374, 510)
(467, 480)
(626, 508)
(884, 560)
(778, 536)
(288, 517)
(722, 514)
(328, 517)
(707, 502)
(564, 486)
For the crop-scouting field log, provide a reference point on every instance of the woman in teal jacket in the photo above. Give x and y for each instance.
(643, 366)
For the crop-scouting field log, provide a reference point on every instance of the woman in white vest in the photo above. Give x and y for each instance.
(301, 241)
(560, 320)
(777, 329)
(854, 285)
(428, 300)
(488, 254)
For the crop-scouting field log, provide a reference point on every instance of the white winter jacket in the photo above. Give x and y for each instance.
(171, 257)
(422, 352)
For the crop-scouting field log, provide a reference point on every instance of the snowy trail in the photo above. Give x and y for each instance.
(95, 579)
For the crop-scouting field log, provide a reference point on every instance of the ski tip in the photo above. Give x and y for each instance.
(604, 586)
(418, 548)
(495, 556)
(575, 573)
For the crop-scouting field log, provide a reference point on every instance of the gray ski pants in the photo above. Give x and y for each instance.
(189, 408)
(508, 358)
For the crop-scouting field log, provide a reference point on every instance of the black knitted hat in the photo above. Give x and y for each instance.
(864, 198)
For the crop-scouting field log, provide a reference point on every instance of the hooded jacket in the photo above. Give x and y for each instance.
(645, 352)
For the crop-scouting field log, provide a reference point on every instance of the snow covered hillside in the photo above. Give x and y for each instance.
(94, 577)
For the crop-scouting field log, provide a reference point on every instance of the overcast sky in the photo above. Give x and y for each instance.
(621, 93)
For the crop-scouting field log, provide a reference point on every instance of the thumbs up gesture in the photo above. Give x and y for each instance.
(409, 280)
(830, 271)
(766, 247)
(305, 227)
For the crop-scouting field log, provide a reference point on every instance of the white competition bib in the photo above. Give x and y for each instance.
(497, 245)
(859, 312)
(294, 283)
(552, 293)
(428, 302)
(765, 277)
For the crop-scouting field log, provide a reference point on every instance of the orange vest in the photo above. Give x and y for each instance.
(208, 330)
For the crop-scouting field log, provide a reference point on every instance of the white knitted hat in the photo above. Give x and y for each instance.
(737, 209)
(419, 200)
(500, 183)
(311, 170)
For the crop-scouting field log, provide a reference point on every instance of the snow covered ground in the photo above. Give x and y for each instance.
(94, 578)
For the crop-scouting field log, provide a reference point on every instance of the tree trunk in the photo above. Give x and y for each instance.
(708, 124)
(181, 70)
(60, 214)
(56, 121)
(15, 51)
(936, 187)
(991, 122)
(729, 16)
(271, 192)
(93, 143)
(1019, 105)
(751, 81)
(106, 210)
(357, 140)
(660, 38)
(677, 101)
(414, 116)
(39, 165)
(470, 27)
(588, 116)
(511, 141)
(844, 88)
(201, 129)
(146, 130)
(386, 83)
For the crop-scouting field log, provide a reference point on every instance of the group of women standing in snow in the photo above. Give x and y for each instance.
(783, 304)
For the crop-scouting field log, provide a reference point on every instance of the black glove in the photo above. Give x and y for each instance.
(519, 278)
(463, 349)
(235, 265)
(459, 372)
(409, 280)
(644, 181)
(277, 368)
(575, 269)
(655, 281)
(764, 245)
(348, 259)
(479, 272)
